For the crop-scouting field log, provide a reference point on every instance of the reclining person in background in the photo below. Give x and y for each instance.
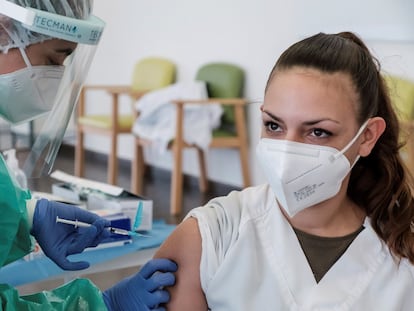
(331, 230)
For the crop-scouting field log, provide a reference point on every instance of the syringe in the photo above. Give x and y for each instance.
(78, 223)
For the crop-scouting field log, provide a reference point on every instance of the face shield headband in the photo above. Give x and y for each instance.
(86, 33)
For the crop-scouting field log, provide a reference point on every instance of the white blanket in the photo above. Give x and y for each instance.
(157, 115)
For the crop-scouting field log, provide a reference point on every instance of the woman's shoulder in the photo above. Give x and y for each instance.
(248, 203)
(253, 199)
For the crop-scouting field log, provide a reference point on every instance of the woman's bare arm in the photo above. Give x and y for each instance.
(184, 247)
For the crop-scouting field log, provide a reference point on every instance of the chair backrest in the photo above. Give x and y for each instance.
(402, 96)
(152, 73)
(223, 80)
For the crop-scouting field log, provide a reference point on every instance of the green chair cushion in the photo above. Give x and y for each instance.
(223, 81)
(152, 73)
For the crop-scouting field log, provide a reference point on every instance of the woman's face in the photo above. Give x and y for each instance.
(49, 52)
(309, 106)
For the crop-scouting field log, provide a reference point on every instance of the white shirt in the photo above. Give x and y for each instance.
(251, 260)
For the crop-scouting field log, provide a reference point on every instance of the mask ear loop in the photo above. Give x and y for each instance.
(353, 140)
(25, 57)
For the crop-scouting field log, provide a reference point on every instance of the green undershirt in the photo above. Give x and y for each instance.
(323, 252)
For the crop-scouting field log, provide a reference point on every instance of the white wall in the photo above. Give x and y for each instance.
(249, 33)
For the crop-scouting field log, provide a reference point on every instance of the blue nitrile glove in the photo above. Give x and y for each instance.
(144, 290)
(59, 240)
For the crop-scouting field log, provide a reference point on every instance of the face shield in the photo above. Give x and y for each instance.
(51, 91)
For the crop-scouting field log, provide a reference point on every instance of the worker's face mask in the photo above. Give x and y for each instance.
(302, 175)
(29, 92)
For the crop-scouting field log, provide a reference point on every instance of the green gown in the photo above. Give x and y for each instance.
(16, 242)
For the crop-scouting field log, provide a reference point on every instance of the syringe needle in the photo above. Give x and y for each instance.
(78, 223)
(120, 231)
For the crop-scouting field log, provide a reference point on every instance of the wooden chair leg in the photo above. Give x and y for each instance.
(243, 146)
(112, 162)
(138, 169)
(203, 181)
(177, 182)
(177, 170)
(79, 154)
(244, 163)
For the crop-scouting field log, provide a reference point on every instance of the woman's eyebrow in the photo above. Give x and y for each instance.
(313, 122)
(307, 123)
(272, 116)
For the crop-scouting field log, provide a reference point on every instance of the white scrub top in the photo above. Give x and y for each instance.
(252, 260)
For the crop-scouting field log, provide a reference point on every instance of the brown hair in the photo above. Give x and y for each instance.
(379, 182)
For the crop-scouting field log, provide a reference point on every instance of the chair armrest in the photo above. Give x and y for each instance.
(114, 91)
(238, 103)
(222, 101)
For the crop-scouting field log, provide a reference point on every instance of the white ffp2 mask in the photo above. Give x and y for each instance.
(29, 92)
(302, 175)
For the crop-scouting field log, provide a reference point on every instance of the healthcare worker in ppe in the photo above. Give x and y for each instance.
(46, 47)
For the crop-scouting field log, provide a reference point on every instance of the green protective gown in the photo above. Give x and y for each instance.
(16, 242)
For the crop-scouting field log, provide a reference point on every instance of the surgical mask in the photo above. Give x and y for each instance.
(29, 92)
(302, 175)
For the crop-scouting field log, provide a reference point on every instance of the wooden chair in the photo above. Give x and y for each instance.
(225, 86)
(402, 97)
(149, 74)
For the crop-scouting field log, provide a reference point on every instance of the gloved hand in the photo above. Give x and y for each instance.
(59, 240)
(143, 291)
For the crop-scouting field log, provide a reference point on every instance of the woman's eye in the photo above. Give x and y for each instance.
(272, 126)
(320, 133)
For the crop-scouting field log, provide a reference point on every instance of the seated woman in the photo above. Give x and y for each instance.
(331, 228)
